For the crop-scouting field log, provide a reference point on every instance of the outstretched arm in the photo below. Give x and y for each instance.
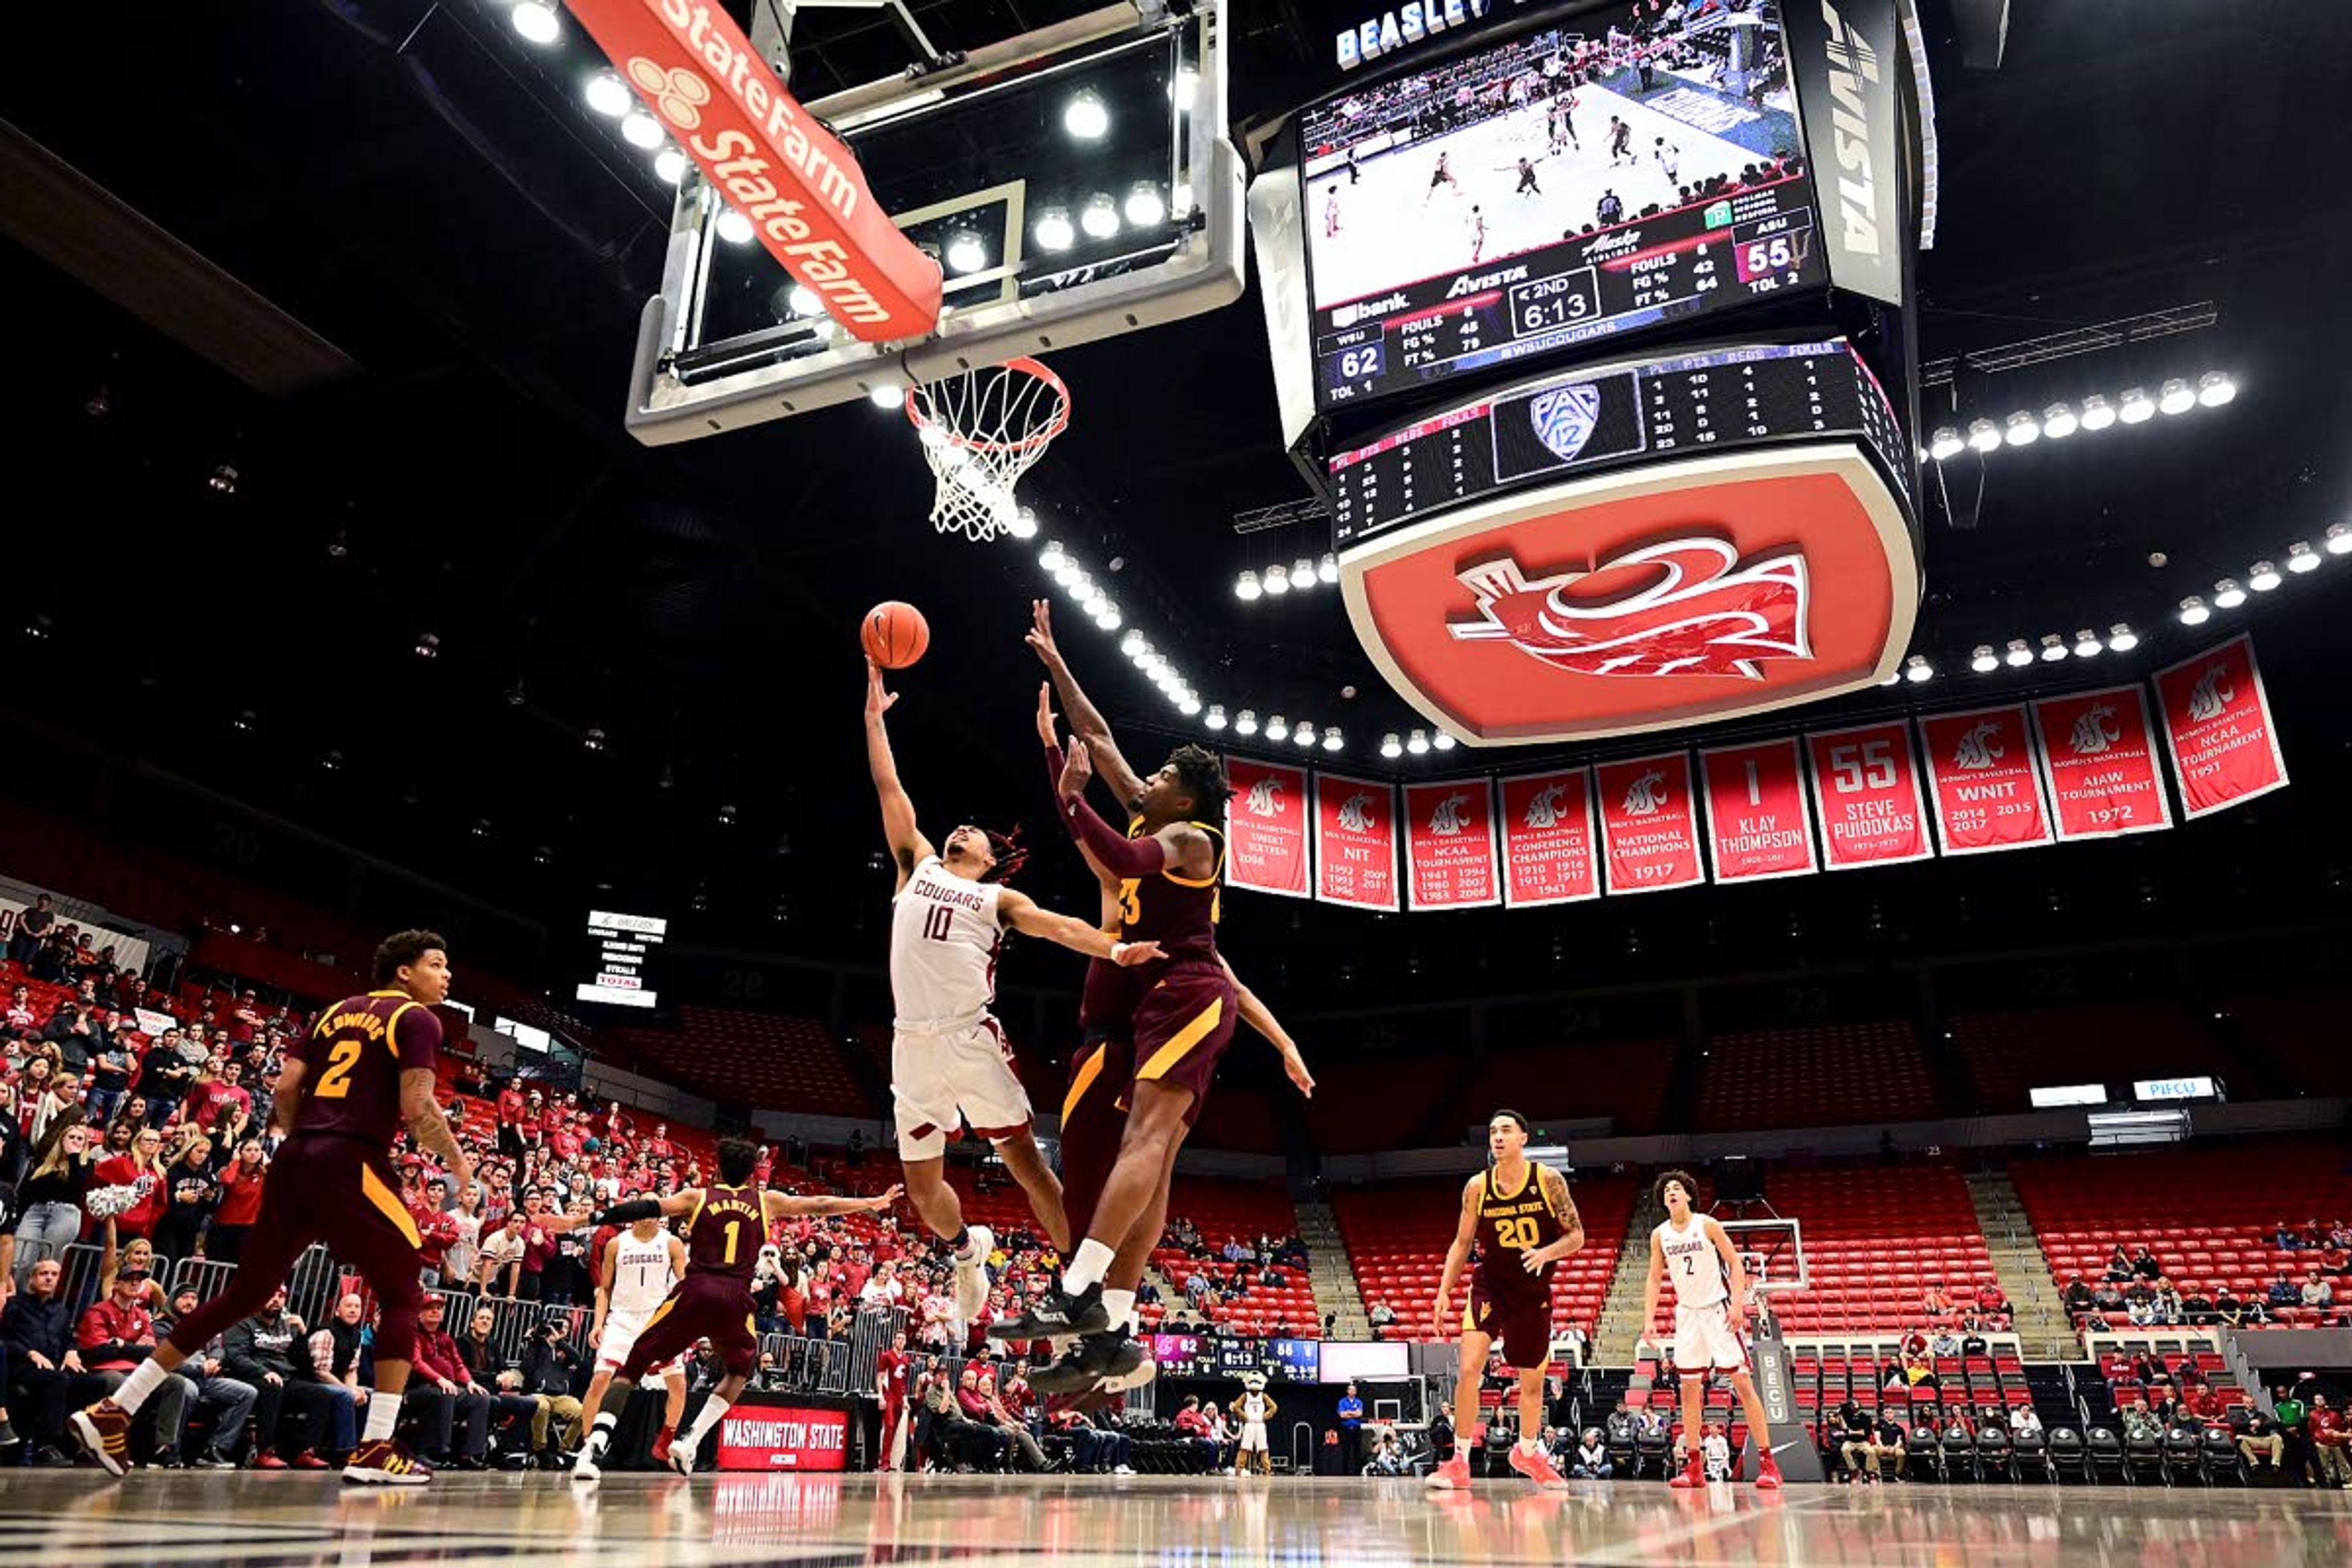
(1020, 911)
(785, 1205)
(908, 843)
(1086, 719)
(1178, 846)
(1255, 1013)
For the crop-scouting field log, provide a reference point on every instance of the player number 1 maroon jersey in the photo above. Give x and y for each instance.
(726, 1232)
(355, 1055)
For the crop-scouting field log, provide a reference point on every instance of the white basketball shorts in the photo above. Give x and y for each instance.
(620, 1337)
(938, 1077)
(1705, 1338)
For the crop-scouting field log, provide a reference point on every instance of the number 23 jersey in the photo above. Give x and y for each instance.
(354, 1056)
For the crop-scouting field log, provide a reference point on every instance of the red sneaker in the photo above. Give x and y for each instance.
(1767, 1474)
(661, 1446)
(1453, 1475)
(308, 1460)
(1693, 1475)
(1538, 1468)
(263, 1460)
(103, 1432)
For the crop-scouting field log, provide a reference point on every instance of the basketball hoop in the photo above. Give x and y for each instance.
(981, 430)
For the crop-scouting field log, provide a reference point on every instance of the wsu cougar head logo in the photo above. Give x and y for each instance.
(1448, 818)
(1543, 807)
(1356, 814)
(1645, 794)
(2211, 695)
(1709, 613)
(2095, 731)
(1978, 748)
(1260, 801)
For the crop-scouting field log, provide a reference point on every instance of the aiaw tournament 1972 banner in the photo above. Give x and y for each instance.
(1265, 827)
(1450, 844)
(2098, 759)
(2218, 726)
(1550, 849)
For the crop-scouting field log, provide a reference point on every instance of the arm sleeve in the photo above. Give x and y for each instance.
(631, 1212)
(1119, 856)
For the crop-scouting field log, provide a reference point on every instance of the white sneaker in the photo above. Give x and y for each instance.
(1121, 1470)
(971, 1273)
(583, 1469)
(681, 1459)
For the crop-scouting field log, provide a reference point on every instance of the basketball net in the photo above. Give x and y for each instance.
(981, 430)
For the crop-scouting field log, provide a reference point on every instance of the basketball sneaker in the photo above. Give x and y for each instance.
(1056, 1314)
(1538, 1468)
(681, 1458)
(662, 1445)
(1094, 1358)
(1453, 1475)
(1693, 1474)
(385, 1462)
(103, 1431)
(971, 1273)
(1768, 1473)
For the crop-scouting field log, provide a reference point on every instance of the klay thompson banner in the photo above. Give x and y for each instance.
(1757, 827)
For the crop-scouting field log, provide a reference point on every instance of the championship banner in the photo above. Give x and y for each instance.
(2218, 724)
(1867, 788)
(690, 65)
(1649, 824)
(1549, 838)
(1265, 827)
(1449, 841)
(1355, 842)
(1757, 827)
(2098, 760)
(1982, 779)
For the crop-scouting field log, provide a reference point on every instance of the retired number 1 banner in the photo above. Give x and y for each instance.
(1355, 842)
(2099, 760)
(1265, 827)
(2218, 725)
(1866, 787)
(1548, 853)
(1757, 827)
(1649, 824)
(1450, 844)
(1982, 777)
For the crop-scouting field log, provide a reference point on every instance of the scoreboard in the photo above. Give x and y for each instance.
(623, 950)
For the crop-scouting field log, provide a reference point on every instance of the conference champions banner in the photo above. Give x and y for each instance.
(1649, 824)
(1866, 789)
(1266, 829)
(1355, 842)
(1550, 841)
(2098, 760)
(1756, 824)
(1984, 781)
(1449, 841)
(2218, 726)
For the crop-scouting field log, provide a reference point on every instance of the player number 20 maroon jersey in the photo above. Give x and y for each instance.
(354, 1056)
(1509, 1224)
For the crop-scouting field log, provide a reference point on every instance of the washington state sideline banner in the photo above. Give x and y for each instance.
(1548, 839)
(1265, 827)
(2217, 727)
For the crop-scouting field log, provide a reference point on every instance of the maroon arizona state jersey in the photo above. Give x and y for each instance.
(355, 1055)
(725, 1236)
(1510, 1224)
(1176, 912)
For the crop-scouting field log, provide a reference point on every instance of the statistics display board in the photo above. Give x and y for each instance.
(1577, 183)
(623, 949)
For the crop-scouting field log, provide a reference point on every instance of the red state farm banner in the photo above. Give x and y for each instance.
(1265, 827)
(1757, 827)
(1649, 824)
(1355, 842)
(800, 189)
(1983, 781)
(1867, 788)
(1548, 837)
(2218, 724)
(1449, 841)
(2098, 760)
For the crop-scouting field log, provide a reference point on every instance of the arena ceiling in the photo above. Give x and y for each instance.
(411, 356)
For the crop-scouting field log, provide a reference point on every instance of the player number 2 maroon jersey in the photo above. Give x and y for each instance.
(1176, 912)
(1509, 1224)
(726, 1233)
(355, 1055)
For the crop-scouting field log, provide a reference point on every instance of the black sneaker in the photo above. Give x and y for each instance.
(1057, 1314)
(1094, 1358)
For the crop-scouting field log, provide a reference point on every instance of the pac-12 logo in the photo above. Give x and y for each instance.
(1705, 613)
(1564, 418)
(2211, 695)
(1261, 801)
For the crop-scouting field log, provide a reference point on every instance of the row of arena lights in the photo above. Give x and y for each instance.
(1302, 574)
(2060, 420)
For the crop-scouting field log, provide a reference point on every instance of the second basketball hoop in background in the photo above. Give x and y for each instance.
(981, 430)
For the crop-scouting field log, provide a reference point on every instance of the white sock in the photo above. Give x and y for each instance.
(704, 1420)
(1120, 1305)
(600, 1434)
(1088, 1267)
(382, 1416)
(144, 1379)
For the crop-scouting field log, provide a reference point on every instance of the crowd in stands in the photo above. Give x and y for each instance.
(2137, 1289)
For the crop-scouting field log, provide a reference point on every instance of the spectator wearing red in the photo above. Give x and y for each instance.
(114, 1335)
(240, 1203)
(142, 1168)
(2331, 1443)
(449, 1397)
(437, 1228)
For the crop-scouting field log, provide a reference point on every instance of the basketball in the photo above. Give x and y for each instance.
(895, 634)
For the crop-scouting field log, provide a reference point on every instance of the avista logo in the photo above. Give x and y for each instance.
(2211, 695)
(1261, 800)
(1978, 749)
(2094, 732)
(1705, 613)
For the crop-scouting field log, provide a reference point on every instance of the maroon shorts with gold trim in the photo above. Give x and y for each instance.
(1094, 1120)
(701, 1306)
(1183, 1022)
(1521, 1323)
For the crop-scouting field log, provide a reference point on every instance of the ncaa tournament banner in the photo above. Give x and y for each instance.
(1757, 826)
(1849, 59)
(1649, 824)
(1449, 841)
(2099, 763)
(1265, 827)
(1549, 838)
(1983, 778)
(1355, 842)
(1867, 788)
(2218, 726)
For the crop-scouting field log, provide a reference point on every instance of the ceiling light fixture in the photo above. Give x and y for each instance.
(1442, 741)
(1216, 719)
(2138, 407)
(1024, 523)
(1054, 231)
(1417, 742)
(736, 229)
(1277, 728)
(1917, 668)
(608, 95)
(1331, 741)
(538, 22)
(1246, 586)
(1390, 746)
(2263, 578)
(2086, 644)
(2019, 654)
(2339, 538)
(1328, 569)
(1984, 436)
(1086, 116)
(1099, 218)
(2301, 558)
(2175, 396)
(2215, 388)
(1983, 660)
(965, 252)
(1246, 724)
(2022, 430)
(2097, 413)
(1303, 735)
(669, 165)
(2227, 594)
(2122, 639)
(1277, 578)
(1945, 444)
(1146, 208)
(641, 130)
(2193, 611)
(2053, 649)
(2058, 422)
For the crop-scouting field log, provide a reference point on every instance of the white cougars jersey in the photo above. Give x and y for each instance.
(1693, 1265)
(641, 1272)
(944, 938)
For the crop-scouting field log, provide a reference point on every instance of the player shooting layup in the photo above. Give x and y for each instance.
(948, 1058)
(1519, 1214)
(726, 1225)
(1710, 1303)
